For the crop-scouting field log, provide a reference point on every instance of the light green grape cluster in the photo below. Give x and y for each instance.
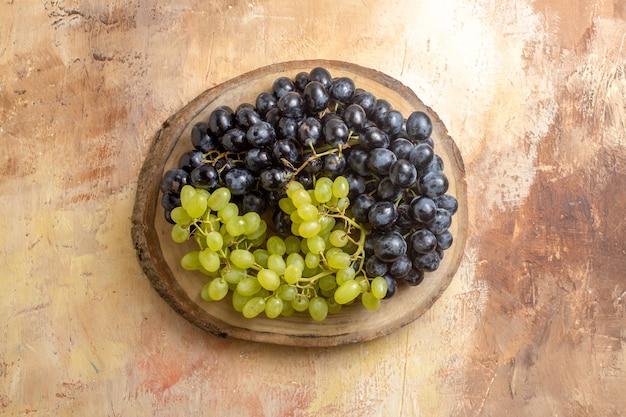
(317, 269)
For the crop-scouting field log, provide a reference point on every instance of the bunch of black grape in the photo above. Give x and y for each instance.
(313, 126)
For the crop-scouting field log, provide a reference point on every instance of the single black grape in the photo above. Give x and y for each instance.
(205, 176)
(354, 116)
(190, 160)
(301, 80)
(170, 200)
(356, 184)
(235, 140)
(372, 138)
(360, 207)
(314, 165)
(321, 75)
(273, 179)
(388, 191)
(390, 246)
(444, 240)
(291, 104)
(285, 152)
(423, 209)
(427, 262)
(400, 267)
(261, 134)
(391, 286)
(433, 184)
(382, 214)
(423, 241)
(448, 202)
(419, 126)
(286, 128)
(201, 138)
(265, 102)
(174, 179)
(366, 100)
(282, 222)
(282, 85)
(401, 147)
(335, 132)
(246, 115)
(381, 107)
(414, 277)
(310, 132)
(221, 120)
(315, 97)
(258, 159)
(421, 155)
(357, 160)
(253, 201)
(440, 222)
(375, 266)
(380, 160)
(402, 173)
(334, 165)
(342, 89)
(239, 181)
(391, 122)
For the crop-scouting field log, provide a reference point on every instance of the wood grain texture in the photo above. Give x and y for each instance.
(531, 91)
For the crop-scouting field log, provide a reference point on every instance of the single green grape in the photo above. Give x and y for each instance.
(253, 307)
(340, 187)
(196, 206)
(248, 286)
(345, 274)
(295, 185)
(318, 308)
(288, 310)
(327, 283)
(260, 256)
(186, 193)
(218, 199)
(227, 212)
(252, 222)
(323, 190)
(311, 260)
(242, 258)
(370, 301)
(273, 307)
(338, 260)
(300, 303)
(295, 217)
(379, 287)
(316, 244)
(268, 279)
(180, 234)
(292, 244)
(292, 273)
(338, 238)
(260, 231)
(276, 263)
(233, 275)
(333, 306)
(300, 197)
(276, 245)
(214, 240)
(347, 292)
(218, 288)
(308, 212)
(190, 261)
(287, 292)
(236, 226)
(209, 260)
(180, 216)
(309, 229)
(240, 300)
(286, 205)
(327, 224)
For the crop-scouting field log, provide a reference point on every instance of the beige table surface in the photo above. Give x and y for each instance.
(533, 92)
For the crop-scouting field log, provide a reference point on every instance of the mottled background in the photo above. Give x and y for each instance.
(532, 92)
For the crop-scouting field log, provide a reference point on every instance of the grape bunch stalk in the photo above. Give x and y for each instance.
(317, 196)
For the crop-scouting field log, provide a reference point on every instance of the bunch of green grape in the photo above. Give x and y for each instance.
(317, 269)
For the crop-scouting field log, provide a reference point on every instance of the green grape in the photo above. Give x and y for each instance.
(327, 223)
(276, 245)
(273, 307)
(259, 241)
(308, 212)
(304, 248)
(288, 310)
(364, 284)
(309, 229)
(338, 238)
(333, 306)
(300, 303)
(253, 307)
(327, 283)
(242, 258)
(233, 275)
(292, 274)
(214, 222)
(295, 217)
(295, 185)
(327, 293)
(196, 206)
(345, 274)
(214, 240)
(276, 263)
(287, 292)
(286, 205)
(341, 187)
(248, 286)
(294, 229)
(240, 300)
(318, 308)
(260, 232)
(252, 222)
(347, 292)
(180, 216)
(190, 261)
(350, 247)
(313, 199)
(342, 204)
(227, 212)
(218, 288)
(300, 197)
(311, 260)
(227, 238)
(370, 301)
(186, 193)
(209, 260)
(204, 292)
(338, 260)
(310, 272)
(323, 190)
(295, 259)
(180, 234)
(260, 256)
(292, 244)
(379, 287)
(218, 199)
(316, 244)
(268, 279)
(236, 226)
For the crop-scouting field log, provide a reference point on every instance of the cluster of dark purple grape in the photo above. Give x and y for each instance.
(313, 126)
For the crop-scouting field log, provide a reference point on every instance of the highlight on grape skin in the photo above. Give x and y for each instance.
(317, 196)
